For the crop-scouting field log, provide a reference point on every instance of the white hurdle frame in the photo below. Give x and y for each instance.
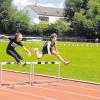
(31, 73)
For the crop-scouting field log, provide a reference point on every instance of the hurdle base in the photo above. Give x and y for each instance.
(35, 83)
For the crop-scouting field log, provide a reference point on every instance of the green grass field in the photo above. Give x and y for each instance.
(85, 60)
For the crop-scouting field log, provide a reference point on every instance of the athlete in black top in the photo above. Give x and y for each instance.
(15, 41)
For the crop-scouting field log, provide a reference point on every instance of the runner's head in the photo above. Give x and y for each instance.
(18, 37)
(53, 37)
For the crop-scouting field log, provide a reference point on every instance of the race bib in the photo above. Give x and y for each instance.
(13, 44)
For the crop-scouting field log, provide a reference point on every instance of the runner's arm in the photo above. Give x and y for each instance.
(26, 50)
(48, 48)
(4, 36)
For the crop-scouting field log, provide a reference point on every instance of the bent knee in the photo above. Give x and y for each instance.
(39, 56)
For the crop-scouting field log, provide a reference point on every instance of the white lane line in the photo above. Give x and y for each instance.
(59, 84)
(79, 87)
(74, 93)
(71, 92)
(29, 94)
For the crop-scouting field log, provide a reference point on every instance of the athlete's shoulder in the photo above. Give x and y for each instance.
(49, 42)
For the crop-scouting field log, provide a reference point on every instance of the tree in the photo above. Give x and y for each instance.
(59, 27)
(85, 4)
(4, 14)
(98, 25)
(72, 6)
(85, 20)
(12, 20)
(20, 22)
(40, 29)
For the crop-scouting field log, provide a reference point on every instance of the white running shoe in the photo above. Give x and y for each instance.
(66, 62)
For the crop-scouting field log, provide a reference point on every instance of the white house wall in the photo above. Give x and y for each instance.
(33, 16)
(53, 19)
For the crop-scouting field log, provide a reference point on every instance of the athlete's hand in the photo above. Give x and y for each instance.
(49, 54)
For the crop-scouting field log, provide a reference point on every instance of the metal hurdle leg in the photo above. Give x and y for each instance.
(59, 71)
(31, 74)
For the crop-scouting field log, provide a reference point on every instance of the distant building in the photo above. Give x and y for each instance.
(40, 14)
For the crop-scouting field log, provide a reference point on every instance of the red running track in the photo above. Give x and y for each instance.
(42, 89)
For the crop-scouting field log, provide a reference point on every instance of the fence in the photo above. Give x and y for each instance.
(65, 39)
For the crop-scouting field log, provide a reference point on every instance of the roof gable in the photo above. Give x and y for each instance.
(48, 11)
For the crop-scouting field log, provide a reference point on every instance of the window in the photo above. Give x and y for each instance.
(43, 19)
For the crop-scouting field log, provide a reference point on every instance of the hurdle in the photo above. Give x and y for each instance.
(31, 72)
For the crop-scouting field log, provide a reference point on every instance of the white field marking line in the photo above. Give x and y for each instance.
(83, 95)
(29, 94)
(18, 72)
(28, 77)
(54, 83)
(78, 87)
(27, 73)
(81, 81)
(68, 79)
(58, 83)
(45, 80)
(48, 76)
(80, 45)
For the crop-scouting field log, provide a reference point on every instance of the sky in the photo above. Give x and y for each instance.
(49, 3)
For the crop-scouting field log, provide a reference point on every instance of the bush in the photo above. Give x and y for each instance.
(59, 27)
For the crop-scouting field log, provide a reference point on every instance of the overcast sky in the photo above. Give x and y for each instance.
(50, 3)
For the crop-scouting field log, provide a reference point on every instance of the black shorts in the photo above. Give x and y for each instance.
(45, 50)
(15, 55)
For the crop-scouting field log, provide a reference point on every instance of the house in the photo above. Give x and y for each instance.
(39, 14)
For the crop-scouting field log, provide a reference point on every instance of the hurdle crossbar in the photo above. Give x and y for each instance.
(12, 63)
(31, 73)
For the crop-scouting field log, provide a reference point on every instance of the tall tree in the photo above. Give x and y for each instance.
(11, 19)
(85, 20)
(5, 6)
(72, 6)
